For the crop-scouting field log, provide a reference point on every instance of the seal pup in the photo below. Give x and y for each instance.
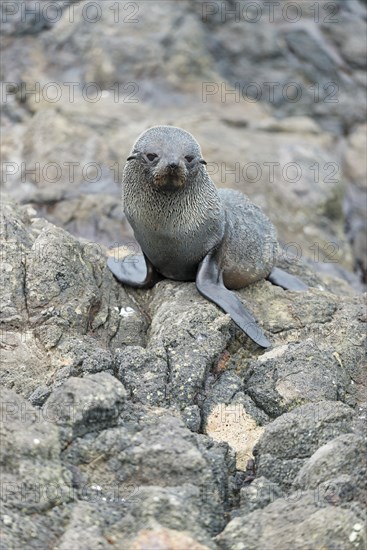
(189, 230)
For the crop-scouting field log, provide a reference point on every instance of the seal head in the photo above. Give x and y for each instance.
(167, 167)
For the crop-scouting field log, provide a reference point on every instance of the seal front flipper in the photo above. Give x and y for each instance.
(209, 282)
(286, 280)
(135, 271)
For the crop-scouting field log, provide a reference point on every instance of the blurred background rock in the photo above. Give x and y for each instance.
(275, 93)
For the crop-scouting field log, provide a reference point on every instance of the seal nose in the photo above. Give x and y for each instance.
(173, 165)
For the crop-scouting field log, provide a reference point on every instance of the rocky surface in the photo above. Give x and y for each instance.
(145, 419)
(129, 416)
(275, 95)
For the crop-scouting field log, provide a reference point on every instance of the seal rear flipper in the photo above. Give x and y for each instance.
(286, 280)
(209, 282)
(135, 271)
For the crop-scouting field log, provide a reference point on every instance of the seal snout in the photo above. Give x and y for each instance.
(169, 175)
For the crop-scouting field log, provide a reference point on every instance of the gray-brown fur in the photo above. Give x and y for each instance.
(178, 215)
(249, 248)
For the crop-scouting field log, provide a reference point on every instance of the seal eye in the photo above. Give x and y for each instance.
(151, 156)
(189, 158)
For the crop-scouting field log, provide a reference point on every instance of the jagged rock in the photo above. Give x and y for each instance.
(299, 521)
(34, 478)
(86, 404)
(293, 437)
(57, 296)
(337, 467)
(297, 374)
(258, 494)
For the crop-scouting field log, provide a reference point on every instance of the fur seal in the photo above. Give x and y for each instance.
(190, 230)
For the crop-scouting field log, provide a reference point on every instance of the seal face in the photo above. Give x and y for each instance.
(188, 230)
(167, 166)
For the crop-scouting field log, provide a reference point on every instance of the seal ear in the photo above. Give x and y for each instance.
(131, 157)
(202, 161)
